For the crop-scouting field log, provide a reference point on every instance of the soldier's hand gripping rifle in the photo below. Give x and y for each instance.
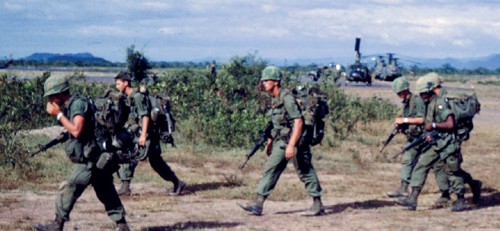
(398, 128)
(264, 135)
(58, 139)
(419, 140)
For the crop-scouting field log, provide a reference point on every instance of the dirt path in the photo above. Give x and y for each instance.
(353, 201)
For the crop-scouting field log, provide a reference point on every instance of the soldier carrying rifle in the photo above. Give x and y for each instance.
(444, 148)
(284, 145)
(411, 124)
(76, 114)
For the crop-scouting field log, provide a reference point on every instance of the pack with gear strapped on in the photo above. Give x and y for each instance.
(464, 108)
(314, 110)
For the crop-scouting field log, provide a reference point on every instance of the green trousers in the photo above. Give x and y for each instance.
(126, 171)
(447, 170)
(276, 164)
(408, 162)
(83, 175)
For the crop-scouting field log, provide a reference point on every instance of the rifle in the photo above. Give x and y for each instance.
(264, 134)
(393, 133)
(389, 139)
(419, 140)
(43, 147)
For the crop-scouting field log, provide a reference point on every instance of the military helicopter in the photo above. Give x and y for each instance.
(389, 71)
(358, 72)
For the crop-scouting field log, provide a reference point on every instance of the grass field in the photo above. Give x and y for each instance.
(354, 175)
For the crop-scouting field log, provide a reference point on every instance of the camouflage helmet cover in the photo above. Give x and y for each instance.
(425, 84)
(400, 84)
(55, 85)
(271, 73)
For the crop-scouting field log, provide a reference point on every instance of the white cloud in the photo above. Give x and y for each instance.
(13, 6)
(96, 31)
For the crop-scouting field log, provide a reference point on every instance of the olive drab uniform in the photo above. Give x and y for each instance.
(412, 108)
(284, 111)
(84, 153)
(444, 151)
(139, 107)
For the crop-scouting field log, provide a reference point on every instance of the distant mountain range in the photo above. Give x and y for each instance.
(491, 62)
(82, 57)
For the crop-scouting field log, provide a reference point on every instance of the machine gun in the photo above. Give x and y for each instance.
(264, 134)
(420, 140)
(58, 139)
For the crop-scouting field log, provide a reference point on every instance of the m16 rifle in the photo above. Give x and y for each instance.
(420, 140)
(58, 139)
(264, 135)
(393, 133)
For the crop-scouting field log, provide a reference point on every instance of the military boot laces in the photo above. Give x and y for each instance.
(476, 191)
(177, 190)
(402, 191)
(316, 209)
(56, 225)
(411, 201)
(122, 227)
(125, 189)
(459, 205)
(255, 207)
(443, 200)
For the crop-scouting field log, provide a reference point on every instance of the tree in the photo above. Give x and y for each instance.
(137, 64)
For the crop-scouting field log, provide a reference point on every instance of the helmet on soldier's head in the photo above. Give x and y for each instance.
(55, 85)
(423, 85)
(426, 84)
(400, 84)
(123, 75)
(271, 73)
(434, 79)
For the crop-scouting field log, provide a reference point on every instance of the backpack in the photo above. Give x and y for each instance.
(464, 107)
(162, 118)
(314, 110)
(111, 110)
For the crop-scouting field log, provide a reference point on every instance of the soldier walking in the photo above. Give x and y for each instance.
(444, 147)
(148, 140)
(283, 146)
(77, 116)
(411, 123)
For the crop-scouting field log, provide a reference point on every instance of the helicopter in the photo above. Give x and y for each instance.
(389, 71)
(358, 72)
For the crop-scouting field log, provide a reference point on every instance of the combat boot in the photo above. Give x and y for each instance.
(56, 225)
(443, 200)
(402, 191)
(125, 188)
(122, 227)
(476, 191)
(411, 201)
(255, 207)
(177, 190)
(316, 209)
(460, 204)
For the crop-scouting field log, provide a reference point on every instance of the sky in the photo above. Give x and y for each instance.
(220, 29)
